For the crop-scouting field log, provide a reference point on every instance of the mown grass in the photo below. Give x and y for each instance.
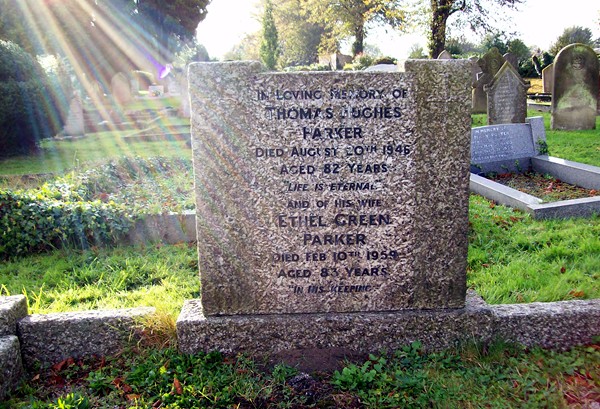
(472, 376)
(68, 280)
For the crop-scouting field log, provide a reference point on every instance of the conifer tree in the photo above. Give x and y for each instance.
(269, 46)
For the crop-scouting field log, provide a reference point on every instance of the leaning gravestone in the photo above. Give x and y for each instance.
(326, 193)
(575, 97)
(507, 97)
(490, 63)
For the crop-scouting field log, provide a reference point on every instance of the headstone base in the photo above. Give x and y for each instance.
(353, 332)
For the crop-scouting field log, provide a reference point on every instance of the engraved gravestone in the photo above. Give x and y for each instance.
(507, 97)
(74, 124)
(575, 97)
(121, 89)
(507, 147)
(331, 192)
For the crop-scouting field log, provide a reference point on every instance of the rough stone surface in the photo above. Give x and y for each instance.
(51, 338)
(512, 59)
(11, 367)
(12, 309)
(277, 196)
(352, 332)
(507, 97)
(575, 97)
(558, 325)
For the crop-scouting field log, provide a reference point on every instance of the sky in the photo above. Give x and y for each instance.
(538, 23)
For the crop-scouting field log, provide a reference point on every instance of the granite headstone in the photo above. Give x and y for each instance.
(331, 192)
(575, 97)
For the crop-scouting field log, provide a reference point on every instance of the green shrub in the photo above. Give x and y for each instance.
(34, 222)
(27, 113)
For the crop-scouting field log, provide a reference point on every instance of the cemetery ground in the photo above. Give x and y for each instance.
(512, 259)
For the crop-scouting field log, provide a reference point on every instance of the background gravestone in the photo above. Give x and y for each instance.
(444, 55)
(331, 192)
(507, 97)
(490, 63)
(575, 96)
(74, 124)
(512, 60)
(121, 89)
(548, 79)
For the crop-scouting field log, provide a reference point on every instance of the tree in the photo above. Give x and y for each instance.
(299, 35)
(269, 46)
(571, 35)
(477, 13)
(103, 37)
(351, 18)
(26, 111)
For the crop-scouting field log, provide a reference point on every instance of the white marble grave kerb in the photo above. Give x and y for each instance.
(331, 192)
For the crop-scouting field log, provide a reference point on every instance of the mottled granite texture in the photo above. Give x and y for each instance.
(51, 338)
(11, 367)
(360, 332)
(331, 192)
(12, 309)
(557, 325)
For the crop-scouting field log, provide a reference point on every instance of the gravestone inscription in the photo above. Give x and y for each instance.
(575, 97)
(507, 97)
(331, 192)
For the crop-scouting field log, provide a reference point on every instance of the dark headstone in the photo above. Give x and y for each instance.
(490, 63)
(507, 97)
(575, 97)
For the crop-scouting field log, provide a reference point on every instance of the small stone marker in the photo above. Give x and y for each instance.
(74, 124)
(331, 192)
(506, 148)
(548, 79)
(507, 97)
(121, 89)
(444, 55)
(575, 97)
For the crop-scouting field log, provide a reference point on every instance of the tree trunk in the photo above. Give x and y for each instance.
(440, 13)
(359, 38)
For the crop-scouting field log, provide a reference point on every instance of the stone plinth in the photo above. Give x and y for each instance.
(331, 192)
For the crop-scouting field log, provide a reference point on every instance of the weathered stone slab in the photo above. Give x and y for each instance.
(507, 97)
(557, 325)
(506, 148)
(444, 55)
(576, 82)
(12, 309)
(11, 367)
(331, 192)
(490, 63)
(121, 89)
(74, 124)
(51, 338)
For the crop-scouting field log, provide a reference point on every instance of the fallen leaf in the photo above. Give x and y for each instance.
(132, 396)
(177, 386)
(577, 294)
(563, 269)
